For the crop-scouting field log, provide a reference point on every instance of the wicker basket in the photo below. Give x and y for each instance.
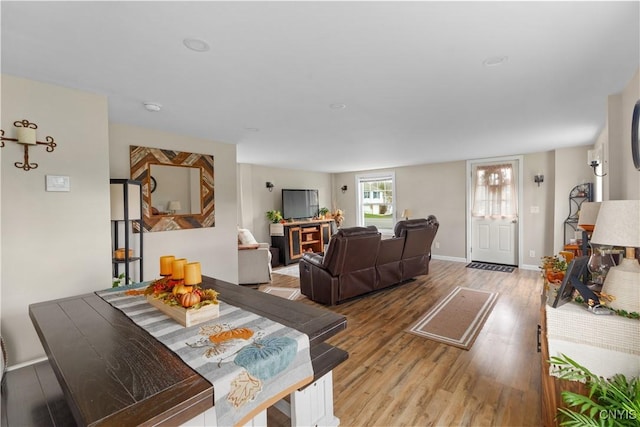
(119, 253)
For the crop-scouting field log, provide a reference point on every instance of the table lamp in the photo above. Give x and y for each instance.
(174, 206)
(588, 215)
(406, 213)
(618, 224)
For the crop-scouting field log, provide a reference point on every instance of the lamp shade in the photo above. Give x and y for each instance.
(618, 224)
(406, 213)
(175, 205)
(588, 215)
(118, 201)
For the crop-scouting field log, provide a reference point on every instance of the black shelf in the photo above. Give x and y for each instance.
(578, 195)
(125, 206)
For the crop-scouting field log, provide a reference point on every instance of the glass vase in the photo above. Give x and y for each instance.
(599, 264)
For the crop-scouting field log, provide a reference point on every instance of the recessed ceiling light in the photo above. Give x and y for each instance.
(337, 106)
(197, 45)
(492, 61)
(152, 106)
(252, 129)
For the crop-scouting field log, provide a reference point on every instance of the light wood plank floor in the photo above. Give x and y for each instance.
(393, 378)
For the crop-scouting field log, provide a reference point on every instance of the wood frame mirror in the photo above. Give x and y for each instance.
(154, 220)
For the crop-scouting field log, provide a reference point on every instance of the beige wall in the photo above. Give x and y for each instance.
(54, 244)
(571, 169)
(257, 199)
(622, 180)
(215, 247)
(537, 228)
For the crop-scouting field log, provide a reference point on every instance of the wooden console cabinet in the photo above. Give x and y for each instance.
(300, 237)
(552, 387)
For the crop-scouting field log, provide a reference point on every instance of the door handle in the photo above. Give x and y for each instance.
(514, 221)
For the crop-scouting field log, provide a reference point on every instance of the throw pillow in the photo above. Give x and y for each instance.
(245, 237)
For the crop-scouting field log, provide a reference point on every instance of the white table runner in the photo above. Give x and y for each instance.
(248, 373)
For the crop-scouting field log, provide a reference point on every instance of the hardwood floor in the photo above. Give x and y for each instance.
(393, 378)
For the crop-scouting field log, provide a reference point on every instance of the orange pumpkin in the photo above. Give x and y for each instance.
(238, 333)
(189, 299)
(181, 289)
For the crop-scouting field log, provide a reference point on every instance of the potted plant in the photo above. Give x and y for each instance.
(611, 401)
(323, 212)
(274, 216)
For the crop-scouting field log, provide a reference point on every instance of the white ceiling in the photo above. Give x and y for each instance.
(411, 74)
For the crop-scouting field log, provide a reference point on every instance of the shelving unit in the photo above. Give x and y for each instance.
(126, 225)
(301, 237)
(578, 195)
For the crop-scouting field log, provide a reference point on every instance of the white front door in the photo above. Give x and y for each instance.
(494, 216)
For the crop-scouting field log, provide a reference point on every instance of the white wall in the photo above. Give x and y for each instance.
(215, 247)
(54, 244)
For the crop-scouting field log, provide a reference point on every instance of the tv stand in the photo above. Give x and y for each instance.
(300, 237)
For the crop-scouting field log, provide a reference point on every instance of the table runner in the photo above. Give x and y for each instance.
(251, 361)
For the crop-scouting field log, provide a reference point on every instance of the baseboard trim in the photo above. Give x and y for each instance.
(448, 258)
(529, 267)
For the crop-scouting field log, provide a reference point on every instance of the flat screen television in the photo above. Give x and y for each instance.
(298, 204)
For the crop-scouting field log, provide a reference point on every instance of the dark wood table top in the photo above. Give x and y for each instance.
(113, 372)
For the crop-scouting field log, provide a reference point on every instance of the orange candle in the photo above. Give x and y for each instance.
(177, 268)
(192, 274)
(166, 265)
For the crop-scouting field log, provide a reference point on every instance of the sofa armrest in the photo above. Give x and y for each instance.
(314, 259)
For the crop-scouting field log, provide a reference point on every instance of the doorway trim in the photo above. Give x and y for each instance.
(470, 163)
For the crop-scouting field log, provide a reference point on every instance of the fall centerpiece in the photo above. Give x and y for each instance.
(178, 293)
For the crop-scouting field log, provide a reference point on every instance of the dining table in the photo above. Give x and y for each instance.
(113, 372)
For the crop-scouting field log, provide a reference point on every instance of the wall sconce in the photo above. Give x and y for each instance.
(594, 159)
(270, 186)
(343, 188)
(27, 136)
(538, 179)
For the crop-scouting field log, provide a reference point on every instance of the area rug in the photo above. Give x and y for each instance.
(291, 270)
(288, 293)
(456, 319)
(492, 267)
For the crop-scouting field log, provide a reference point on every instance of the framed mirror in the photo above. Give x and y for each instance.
(183, 188)
(635, 135)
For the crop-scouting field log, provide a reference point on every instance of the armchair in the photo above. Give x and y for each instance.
(254, 259)
(418, 236)
(346, 269)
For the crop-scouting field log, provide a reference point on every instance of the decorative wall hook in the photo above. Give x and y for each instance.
(27, 136)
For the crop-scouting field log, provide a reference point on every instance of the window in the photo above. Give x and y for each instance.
(494, 193)
(376, 205)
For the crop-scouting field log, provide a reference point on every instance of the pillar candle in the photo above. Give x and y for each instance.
(26, 136)
(166, 265)
(192, 274)
(177, 268)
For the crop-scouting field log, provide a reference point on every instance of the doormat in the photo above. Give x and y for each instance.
(288, 293)
(456, 319)
(492, 267)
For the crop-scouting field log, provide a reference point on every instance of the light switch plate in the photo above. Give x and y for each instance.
(57, 183)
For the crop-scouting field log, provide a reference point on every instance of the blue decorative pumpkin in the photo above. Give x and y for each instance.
(268, 357)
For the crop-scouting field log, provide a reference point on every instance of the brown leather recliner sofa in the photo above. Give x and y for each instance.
(358, 261)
